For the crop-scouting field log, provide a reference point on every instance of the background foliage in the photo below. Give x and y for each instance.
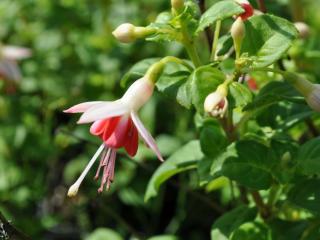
(75, 59)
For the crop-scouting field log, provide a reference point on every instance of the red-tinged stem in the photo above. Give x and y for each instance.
(262, 6)
(262, 207)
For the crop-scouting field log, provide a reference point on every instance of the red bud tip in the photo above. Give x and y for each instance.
(248, 11)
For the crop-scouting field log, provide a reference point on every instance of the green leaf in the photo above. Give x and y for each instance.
(273, 93)
(184, 95)
(240, 94)
(169, 83)
(219, 11)
(217, 163)
(165, 32)
(287, 230)
(224, 44)
(203, 169)
(170, 29)
(285, 150)
(252, 231)
(267, 38)
(137, 71)
(306, 194)
(172, 77)
(204, 81)
(213, 140)
(104, 234)
(308, 157)
(230, 221)
(167, 144)
(164, 17)
(163, 237)
(184, 159)
(252, 166)
(201, 82)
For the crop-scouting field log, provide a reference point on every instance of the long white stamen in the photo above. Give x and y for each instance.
(73, 190)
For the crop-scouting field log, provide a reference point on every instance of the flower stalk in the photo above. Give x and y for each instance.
(215, 40)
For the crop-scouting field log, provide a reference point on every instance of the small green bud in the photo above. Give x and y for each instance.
(238, 32)
(177, 4)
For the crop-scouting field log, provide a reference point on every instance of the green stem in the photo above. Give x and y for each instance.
(156, 69)
(265, 69)
(273, 195)
(263, 209)
(168, 59)
(189, 45)
(215, 40)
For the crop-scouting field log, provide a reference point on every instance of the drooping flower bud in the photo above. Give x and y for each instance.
(177, 5)
(216, 103)
(127, 32)
(248, 9)
(303, 29)
(238, 32)
(310, 91)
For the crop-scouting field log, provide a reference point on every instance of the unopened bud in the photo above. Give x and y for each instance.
(248, 9)
(238, 32)
(177, 5)
(303, 29)
(310, 91)
(127, 32)
(216, 103)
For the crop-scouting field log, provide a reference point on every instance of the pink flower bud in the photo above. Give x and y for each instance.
(216, 103)
(313, 98)
(127, 32)
(310, 91)
(238, 32)
(303, 29)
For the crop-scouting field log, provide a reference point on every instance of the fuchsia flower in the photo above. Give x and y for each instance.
(118, 125)
(249, 10)
(9, 55)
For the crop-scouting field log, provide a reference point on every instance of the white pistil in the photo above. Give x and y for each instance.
(73, 190)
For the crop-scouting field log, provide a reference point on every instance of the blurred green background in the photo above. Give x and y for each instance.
(42, 150)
